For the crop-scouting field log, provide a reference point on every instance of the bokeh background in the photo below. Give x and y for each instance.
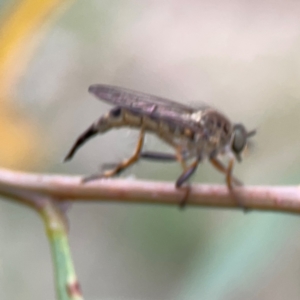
(242, 57)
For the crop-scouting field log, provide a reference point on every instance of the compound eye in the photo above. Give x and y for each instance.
(239, 139)
(239, 142)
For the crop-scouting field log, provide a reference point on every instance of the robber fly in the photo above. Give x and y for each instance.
(194, 133)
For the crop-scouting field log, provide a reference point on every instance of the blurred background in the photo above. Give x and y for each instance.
(241, 57)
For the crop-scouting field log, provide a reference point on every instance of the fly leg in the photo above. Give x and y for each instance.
(123, 165)
(148, 155)
(188, 171)
(184, 177)
(230, 180)
(220, 167)
(163, 157)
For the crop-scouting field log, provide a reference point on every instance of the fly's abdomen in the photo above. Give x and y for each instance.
(171, 133)
(118, 117)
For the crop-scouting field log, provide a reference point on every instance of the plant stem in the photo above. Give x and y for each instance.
(67, 286)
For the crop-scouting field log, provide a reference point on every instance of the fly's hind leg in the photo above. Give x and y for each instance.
(159, 156)
(147, 155)
(123, 165)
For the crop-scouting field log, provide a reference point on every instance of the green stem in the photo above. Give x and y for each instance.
(67, 286)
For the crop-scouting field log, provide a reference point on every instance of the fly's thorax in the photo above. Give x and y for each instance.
(217, 130)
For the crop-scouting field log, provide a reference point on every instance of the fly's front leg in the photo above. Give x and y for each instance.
(230, 179)
(220, 167)
(229, 182)
(123, 165)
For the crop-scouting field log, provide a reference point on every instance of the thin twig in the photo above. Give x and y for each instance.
(71, 188)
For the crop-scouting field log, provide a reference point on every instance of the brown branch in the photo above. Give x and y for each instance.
(12, 184)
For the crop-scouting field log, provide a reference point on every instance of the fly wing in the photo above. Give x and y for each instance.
(144, 104)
